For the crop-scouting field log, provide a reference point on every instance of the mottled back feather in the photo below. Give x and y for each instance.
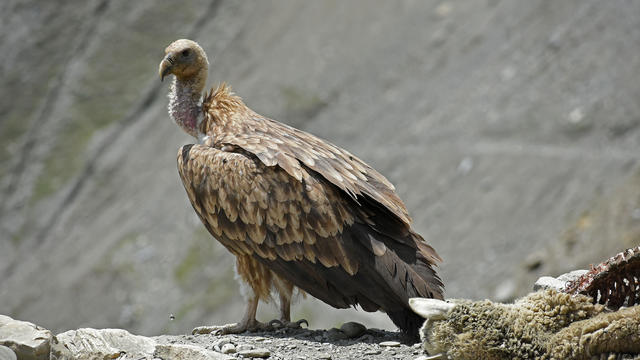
(275, 143)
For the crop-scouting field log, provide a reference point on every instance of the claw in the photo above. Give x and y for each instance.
(302, 321)
(278, 324)
(217, 330)
(200, 330)
(236, 328)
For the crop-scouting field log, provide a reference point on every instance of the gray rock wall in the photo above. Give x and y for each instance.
(502, 123)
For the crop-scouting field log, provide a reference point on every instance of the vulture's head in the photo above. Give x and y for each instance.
(185, 59)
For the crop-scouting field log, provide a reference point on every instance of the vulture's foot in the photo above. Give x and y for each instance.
(236, 328)
(280, 324)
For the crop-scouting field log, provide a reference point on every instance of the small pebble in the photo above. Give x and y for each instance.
(366, 338)
(390, 343)
(334, 334)
(306, 333)
(221, 342)
(244, 347)
(324, 356)
(255, 353)
(259, 338)
(432, 357)
(7, 354)
(228, 349)
(372, 352)
(353, 329)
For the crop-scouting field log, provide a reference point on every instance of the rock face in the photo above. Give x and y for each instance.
(187, 352)
(510, 128)
(106, 344)
(7, 354)
(26, 340)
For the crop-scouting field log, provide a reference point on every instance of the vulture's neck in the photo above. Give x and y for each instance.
(185, 104)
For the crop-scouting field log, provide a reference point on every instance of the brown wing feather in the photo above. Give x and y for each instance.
(274, 143)
(253, 209)
(310, 233)
(297, 148)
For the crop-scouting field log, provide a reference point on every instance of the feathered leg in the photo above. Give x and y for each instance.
(259, 278)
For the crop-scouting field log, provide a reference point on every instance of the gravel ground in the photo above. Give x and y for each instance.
(305, 344)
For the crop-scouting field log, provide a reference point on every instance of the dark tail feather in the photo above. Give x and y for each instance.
(409, 322)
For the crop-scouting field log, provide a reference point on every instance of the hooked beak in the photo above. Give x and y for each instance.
(166, 65)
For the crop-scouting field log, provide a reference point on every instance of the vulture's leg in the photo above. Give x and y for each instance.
(285, 291)
(248, 323)
(258, 278)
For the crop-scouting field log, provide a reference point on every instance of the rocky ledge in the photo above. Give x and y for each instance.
(24, 340)
(562, 319)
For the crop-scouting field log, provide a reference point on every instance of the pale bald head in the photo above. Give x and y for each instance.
(186, 60)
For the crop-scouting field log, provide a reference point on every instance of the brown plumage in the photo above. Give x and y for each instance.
(294, 209)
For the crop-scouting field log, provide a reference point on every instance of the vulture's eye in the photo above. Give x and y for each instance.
(186, 52)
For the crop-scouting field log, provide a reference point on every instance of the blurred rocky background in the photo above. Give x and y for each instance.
(510, 128)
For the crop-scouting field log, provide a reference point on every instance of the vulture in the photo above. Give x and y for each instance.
(295, 210)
